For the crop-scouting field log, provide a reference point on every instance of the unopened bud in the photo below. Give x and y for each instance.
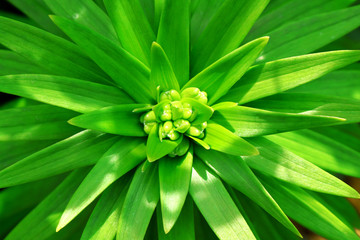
(182, 125)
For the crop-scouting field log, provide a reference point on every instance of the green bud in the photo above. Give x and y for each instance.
(149, 117)
(166, 115)
(204, 125)
(177, 110)
(193, 116)
(191, 92)
(187, 113)
(194, 131)
(148, 127)
(171, 95)
(202, 97)
(182, 125)
(173, 135)
(168, 126)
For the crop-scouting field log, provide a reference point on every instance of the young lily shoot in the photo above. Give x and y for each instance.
(179, 119)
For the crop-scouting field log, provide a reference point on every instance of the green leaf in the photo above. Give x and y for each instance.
(132, 27)
(174, 177)
(278, 76)
(216, 205)
(54, 54)
(309, 104)
(222, 140)
(220, 76)
(156, 148)
(224, 33)
(139, 204)
(174, 36)
(201, 13)
(39, 122)
(235, 172)
(200, 142)
(41, 222)
(104, 220)
(37, 11)
(184, 226)
(291, 11)
(74, 94)
(280, 163)
(82, 149)
(126, 71)
(325, 152)
(119, 120)
(123, 156)
(341, 83)
(13, 63)
(162, 73)
(308, 34)
(86, 13)
(301, 206)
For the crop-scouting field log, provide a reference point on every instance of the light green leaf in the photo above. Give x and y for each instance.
(278, 76)
(174, 36)
(13, 63)
(38, 122)
(162, 73)
(156, 149)
(201, 13)
(132, 27)
(291, 11)
(216, 205)
(119, 120)
(308, 34)
(309, 104)
(184, 226)
(235, 172)
(174, 177)
(200, 142)
(104, 219)
(126, 71)
(325, 152)
(139, 204)
(342, 83)
(82, 149)
(222, 140)
(220, 76)
(251, 122)
(123, 156)
(225, 31)
(85, 12)
(54, 54)
(301, 206)
(41, 222)
(280, 163)
(74, 94)
(37, 11)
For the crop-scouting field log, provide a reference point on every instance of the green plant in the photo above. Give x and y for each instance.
(172, 105)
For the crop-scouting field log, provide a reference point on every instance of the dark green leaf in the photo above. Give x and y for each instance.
(74, 94)
(280, 163)
(123, 156)
(221, 139)
(13, 63)
(132, 27)
(156, 148)
(162, 73)
(140, 203)
(225, 32)
(234, 171)
(308, 34)
(309, 104)
(82, 149)
(54, 54)
(216, 205)
(119, 120)
(251, 122)
(301, 206)
(220, 76)
(342, 83)
(325, 152)
(174, 177)
(104, 220)
(174, 36)
(278, 76)
(127, 71)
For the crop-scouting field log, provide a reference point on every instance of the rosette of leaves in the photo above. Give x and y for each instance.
(178, 119)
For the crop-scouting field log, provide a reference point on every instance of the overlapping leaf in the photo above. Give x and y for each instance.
(13, 63)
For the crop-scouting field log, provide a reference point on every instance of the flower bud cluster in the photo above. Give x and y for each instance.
(175, 116)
